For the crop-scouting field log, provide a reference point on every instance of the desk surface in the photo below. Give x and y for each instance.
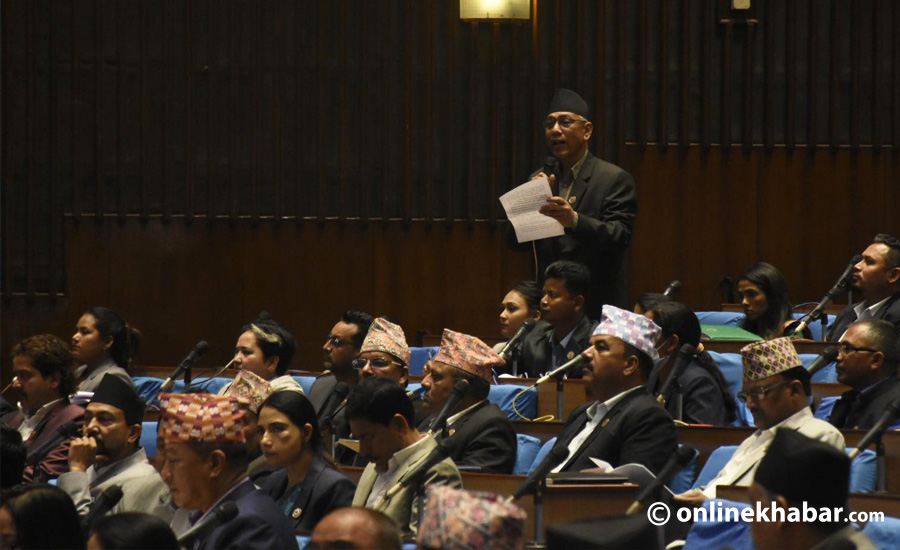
(859, 502)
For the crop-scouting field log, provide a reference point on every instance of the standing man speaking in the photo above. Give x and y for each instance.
(594, 200)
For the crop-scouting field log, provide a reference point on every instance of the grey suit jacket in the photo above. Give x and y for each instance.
(404, 507)
(142, 488)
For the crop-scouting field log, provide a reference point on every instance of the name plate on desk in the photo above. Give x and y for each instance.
(585, 478)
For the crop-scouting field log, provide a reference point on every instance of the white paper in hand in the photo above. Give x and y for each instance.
(522, 205)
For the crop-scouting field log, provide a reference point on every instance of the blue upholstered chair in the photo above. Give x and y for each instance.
(713, 535)
(147, 387)
(148, 438)
(305, 382)
(545, 449)
(827, 374)
(527, 447)
(685, 478)
(502, 395)
(884, 534)
(825, 406)
(418, 358)
(714, 464)
(728, 318)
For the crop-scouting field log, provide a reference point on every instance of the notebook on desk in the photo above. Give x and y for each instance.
(725, 332)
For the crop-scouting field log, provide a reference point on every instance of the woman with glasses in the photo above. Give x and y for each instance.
(307, 487)
(103, 344)
(266, 349)
(767, 307)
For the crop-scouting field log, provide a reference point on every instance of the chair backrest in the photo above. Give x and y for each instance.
(502, 395)
(305, 382)
(825, 406)
(714, 464)
(863, 472)
(706, 534)
(827, 374)
(420, 356)
(527, 447)
(542, 453)
(685, 478)
(728, 318)
(884, 534)
(210, 385)
(732, 369)
(148, 438)
(147, 387)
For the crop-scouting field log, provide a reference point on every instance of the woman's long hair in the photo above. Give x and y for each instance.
(126, 339)
(45, 517)
(778, 310)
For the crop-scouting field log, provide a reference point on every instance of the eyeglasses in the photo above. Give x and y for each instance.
(376, 363)
(847, 349)
(563, 121)
(760, 393)
(336, 341)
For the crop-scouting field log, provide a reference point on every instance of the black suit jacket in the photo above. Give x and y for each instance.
(259, 524)
(53, 462)
(606, 201)
(483, 437)
(890, 312)
(636, 430)
(537, 357)
(702, 401)
(852, 412)
(323, 490)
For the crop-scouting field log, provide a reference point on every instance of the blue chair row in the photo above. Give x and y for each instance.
(148, 386)
(733, 319)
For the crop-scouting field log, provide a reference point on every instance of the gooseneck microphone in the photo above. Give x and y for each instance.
(444, 449)
(510, 346)
(888, 417)
(549, 168)
(682, 360)
(223, 512)
(839, 285)
(556, 373)
(103, 504)
(827, 357)
(201, 348)
(456, 395)
(333, 404)
(678, 461)
(554, 458)
(673, 289)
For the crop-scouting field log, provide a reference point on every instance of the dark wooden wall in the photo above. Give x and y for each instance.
(191, 163)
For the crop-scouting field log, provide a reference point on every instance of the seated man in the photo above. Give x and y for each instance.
(385, 353)
(206, 465)
(798, 471)
(776, 390)
(110, 454)
(705, 395)
(877, 279)
(565, 330)
(341, 347)
(381, 418)
(625, 424)
(867, 362)
(481, 434)
(355, 528)
(42, 370)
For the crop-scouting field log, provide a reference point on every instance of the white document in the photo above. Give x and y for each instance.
(522, 205)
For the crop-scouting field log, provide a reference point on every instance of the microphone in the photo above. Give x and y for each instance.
(553, 459)
(201, 348)
(888, 417)
(103, 504)
(839, 285)
(338, 394)
(456, 395)
(223, 512)
(682, 360)
(824, 359)
(559, 371)
(507, 351)
(673, 289)
(444, 449)
(549, 167)
(64, 432)
(678, 461)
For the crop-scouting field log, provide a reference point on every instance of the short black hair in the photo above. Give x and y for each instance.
(134, 531)
(12, 456)
(362, 320)
(30, 507)
(531, 292)
(646, 363)
(648, 300)
(377, 400)
(50, 355)
(883, 337)
(273, 339)
(892, 258)
(575, 276)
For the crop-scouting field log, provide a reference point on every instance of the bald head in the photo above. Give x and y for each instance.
(348, 528)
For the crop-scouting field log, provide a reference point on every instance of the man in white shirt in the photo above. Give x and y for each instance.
(776, 389)
(381, 416)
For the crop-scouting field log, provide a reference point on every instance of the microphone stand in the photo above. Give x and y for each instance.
(539, 541)
(559, 399)
(679, 401)
(880, 468)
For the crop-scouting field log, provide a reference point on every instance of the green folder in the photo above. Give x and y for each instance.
(726, 332)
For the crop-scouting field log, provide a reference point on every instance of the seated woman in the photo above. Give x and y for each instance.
(706, 397)
(767, 307)
(266, 349)
(521, 303)
(103, 344)
(307, 487)
(647, 300)
(39, 516)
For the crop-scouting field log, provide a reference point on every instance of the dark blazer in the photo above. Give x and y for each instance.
(855, 412)
(890, 312)
(320, 390)
(702, 400)
(483, 437)
(606, 201)
(323, 490)
(55, 461)
(537, 357)
(636, 430)
(259, 523)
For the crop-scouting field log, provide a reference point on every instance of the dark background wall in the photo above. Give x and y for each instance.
(191, 163)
